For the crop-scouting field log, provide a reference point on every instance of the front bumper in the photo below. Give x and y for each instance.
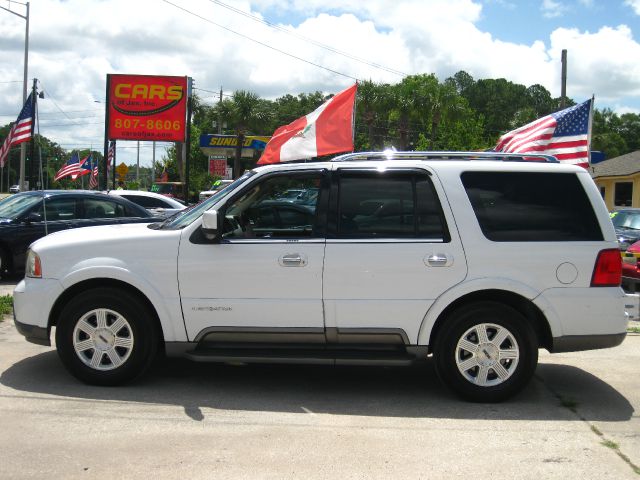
(32, 333)
(33, 300)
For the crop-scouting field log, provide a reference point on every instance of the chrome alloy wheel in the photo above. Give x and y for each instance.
(487, 354)
(103, 339)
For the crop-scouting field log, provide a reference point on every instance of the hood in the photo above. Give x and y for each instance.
(125, 247)
(627, 235)
(98, 237)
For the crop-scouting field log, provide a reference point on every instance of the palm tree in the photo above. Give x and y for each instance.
(241, 111)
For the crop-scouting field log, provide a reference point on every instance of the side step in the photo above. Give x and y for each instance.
(316, 356)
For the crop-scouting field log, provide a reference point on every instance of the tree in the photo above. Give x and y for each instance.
(498, 101)
(242, 111)
(372, 109)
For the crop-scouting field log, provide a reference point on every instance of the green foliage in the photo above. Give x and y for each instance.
(6, 305)
(419, 112)
(611, 143)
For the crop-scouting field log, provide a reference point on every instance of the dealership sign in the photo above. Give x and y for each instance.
(225, 145)
(146, 107)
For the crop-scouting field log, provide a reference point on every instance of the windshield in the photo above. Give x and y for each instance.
(17, 205)
(188, 216)
(630, 220)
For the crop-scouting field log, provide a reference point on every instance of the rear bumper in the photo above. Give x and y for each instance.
(575, 343)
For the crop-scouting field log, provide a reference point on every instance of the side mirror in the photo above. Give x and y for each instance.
(210, 226)
(33, 217)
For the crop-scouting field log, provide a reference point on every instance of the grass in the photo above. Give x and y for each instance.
(633, 330)
(610, 444)
(6, 305)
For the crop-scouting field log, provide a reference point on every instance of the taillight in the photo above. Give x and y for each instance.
(608, 269)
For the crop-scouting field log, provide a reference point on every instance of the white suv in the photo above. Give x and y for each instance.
(477, 259)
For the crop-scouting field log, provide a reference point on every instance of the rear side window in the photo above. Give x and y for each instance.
(531, 207)
(100, 208)
(389, 205)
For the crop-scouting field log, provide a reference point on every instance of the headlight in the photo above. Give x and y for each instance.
(33, 268)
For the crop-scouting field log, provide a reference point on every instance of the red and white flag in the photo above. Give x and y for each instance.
(564, 134)
(327, 130)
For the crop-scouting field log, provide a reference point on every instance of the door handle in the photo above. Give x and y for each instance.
(292, 260)
(438, 260)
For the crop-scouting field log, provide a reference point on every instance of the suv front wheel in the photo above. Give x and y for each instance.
(486, 352)
(106, 336)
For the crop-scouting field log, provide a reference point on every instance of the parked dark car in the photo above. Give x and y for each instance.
(631, 268)
(24, 218)
(627, 224)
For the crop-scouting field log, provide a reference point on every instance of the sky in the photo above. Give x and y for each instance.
(278, 47)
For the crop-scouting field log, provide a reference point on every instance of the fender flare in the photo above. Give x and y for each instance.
(482, 284)
(97, 268)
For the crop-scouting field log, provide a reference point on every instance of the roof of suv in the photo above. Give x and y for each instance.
(456, 160)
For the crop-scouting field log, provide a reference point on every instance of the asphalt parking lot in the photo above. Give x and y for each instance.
(577, 419)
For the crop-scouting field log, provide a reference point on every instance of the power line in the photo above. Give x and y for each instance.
(307, 39)
(71, 124)
(258, 42)
(49, 97)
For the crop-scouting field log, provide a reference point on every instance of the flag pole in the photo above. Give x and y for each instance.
(113, 165)
(106, 135)
(353, 119)
(593, 97)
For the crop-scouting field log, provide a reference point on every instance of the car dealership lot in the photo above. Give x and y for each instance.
(189, 420)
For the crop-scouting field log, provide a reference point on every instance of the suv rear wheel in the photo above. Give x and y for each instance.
(486, 352)
(106, 337)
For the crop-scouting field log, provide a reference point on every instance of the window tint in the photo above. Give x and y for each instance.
(278, 207)
(100, 208)
(388, 205)
(60, 209)
(529, 207)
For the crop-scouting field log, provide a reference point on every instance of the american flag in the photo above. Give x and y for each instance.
(93, 180)
(21, 131)
(111, 153)
(563, 134)
(72, 167)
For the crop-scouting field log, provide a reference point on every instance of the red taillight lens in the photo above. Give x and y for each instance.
(608, 269)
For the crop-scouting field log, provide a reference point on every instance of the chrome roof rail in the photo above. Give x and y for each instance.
(495, 156)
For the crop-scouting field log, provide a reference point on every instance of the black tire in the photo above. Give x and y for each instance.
(476, 380)
(5, 263)
(119, 350)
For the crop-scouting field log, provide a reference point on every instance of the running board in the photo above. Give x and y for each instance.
(304, 356)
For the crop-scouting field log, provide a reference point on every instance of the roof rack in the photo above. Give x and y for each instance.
(495, 156)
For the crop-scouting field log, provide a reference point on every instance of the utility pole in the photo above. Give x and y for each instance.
(220, 114)
(563, 88)
(153, 163)
(32, 156)
(23, 147)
